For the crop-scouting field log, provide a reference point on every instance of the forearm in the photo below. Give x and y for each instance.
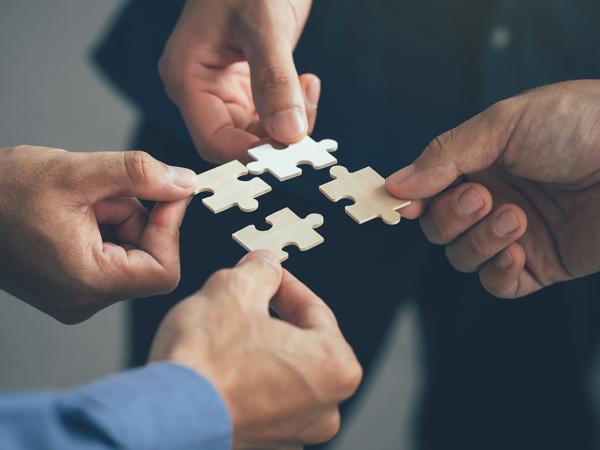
(160, 406)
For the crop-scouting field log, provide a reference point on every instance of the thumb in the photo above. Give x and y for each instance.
(276, 88)
(473, 146)
(133, 174)
(253, 281)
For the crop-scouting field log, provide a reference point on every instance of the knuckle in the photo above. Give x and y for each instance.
(432, 231)
(170, 280)
(345, 372)
(502, 108)
(350, 378)
(476, 246)
(440, 145)
(274, 79)
(220, 277)
(499, 290)
(242, 282)
(330, 427)
(138, 166)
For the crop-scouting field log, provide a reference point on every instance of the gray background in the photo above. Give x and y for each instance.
(51, 96)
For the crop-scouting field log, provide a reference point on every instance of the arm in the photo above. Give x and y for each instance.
(163, 405)
(223, 333)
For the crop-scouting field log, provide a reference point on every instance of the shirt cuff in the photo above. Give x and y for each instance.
(163, 405)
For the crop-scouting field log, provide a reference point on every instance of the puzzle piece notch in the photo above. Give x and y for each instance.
(286, 229)
(227, 190)
(282, 163)
(367, 189)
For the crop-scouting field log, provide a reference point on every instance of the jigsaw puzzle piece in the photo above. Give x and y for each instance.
(367, 189)
(227, 190)
(282, 163)
(286, 229)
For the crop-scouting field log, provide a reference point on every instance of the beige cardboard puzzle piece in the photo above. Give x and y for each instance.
(367, 188)
(287, 229)
(228, 191)
(282, 163)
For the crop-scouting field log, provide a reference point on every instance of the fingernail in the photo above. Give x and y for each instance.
(287, 125)
(402, 175)
(505, 223)
(503, 260)
(469, 202)
(313, 93)
(182, 177)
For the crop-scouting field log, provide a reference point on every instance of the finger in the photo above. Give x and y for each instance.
(126, 214)
(161, 236)
(297, 304)
(506, 275)
(454, 212)
(414, 209)
(488, 238)
(152, 268)
(254, 280)
(129, 174)
(471, 147)
(311, 86)
(212, 128)
(276, 88)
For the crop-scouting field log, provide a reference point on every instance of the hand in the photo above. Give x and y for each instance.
(228, 66)
(282, 379)
(74, 237)
(529, 215)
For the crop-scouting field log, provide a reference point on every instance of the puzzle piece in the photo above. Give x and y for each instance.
(228, 191)
(283, 163)
(367, 188)
(287, 229)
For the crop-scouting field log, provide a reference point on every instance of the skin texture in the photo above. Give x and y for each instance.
(228, 66)
(75, 238)
(282, 379)
(530, 164)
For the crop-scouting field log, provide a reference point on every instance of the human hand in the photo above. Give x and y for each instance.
(529, 214)
(74, 236)
(229, 68)
(282, 379)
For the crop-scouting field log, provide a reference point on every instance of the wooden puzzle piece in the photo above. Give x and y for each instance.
(228, 191)
(287, 229)
(367, 188)
(282, 163)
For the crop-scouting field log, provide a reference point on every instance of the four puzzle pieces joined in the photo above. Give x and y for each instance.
(367, 188)
(283, 163)
(287, 229)
(228, 191)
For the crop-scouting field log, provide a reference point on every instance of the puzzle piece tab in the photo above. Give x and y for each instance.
(287, 229)
(367, 188)
(228, 191)
(283, 163)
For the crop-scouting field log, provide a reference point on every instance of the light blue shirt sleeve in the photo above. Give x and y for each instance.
(158, 407)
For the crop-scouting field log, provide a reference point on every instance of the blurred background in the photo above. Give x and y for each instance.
(53, 96)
